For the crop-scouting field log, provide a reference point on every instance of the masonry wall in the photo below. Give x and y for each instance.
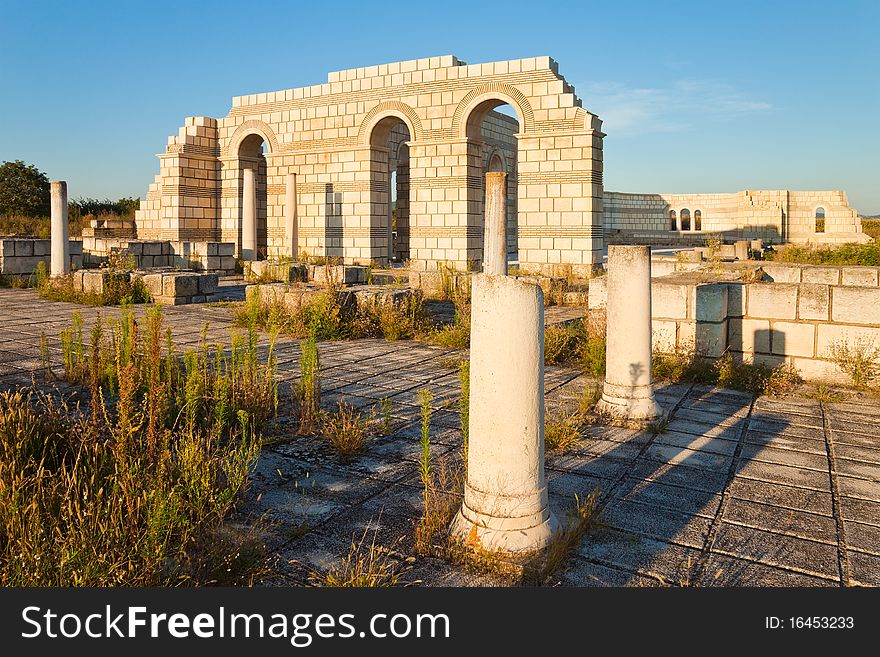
(774, 216)
(798, 323)
(327, 134)
(21, 256)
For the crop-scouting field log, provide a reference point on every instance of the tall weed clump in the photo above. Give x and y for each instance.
(132, 490)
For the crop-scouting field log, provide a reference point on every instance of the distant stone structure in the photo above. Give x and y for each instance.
(773, 216)
(429, 124)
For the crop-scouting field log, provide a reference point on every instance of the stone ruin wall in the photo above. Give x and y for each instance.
(336, 136)
(774, 216)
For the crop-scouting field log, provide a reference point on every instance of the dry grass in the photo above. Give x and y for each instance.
(860, 360)
(580, 519)
(564, 433)
(364, 565)
(345, 431)
(844, 254)
(133, 488)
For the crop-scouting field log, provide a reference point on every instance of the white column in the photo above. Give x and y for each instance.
(290, 218)
(249, 216)
(59, 231)
(741, 249)
(505, 497)
(495, 234)
(628, 393)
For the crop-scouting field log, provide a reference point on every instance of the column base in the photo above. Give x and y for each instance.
(512, 535)
(627, 403)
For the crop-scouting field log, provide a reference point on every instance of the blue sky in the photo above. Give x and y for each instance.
(696, 96)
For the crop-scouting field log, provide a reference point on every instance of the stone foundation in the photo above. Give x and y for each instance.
(20, 256)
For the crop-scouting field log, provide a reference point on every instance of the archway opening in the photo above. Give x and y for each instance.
(698, 220)
(252, 156)
(820, 220)
(389, 191)
(491, 129)
(673, 222)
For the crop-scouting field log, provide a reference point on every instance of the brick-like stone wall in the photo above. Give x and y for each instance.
(774, 216)
(334, 136)
(20, 256)
(766, 322)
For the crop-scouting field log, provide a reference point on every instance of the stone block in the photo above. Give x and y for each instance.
(135, 248)
(664, 335)
(199, 298)
(710, 302)
(152, 248)
(153, 283)
(43, 247)
(859, 276)
(830, 334)
(22, 264)
(171, 301)
(225, 249)
(736, 300)
(7, 248)
(814, 301)
(727, 251)
(822, 275)
(855, 305)
(662, 268)
(598, 294)
(208, 283)
(180, 285)
(711, 338)
(749, 335)
(227, 263)
(339, 274)
(24, 248)
(669, 300)
(772, 300)
(792, 339)
(777, 273)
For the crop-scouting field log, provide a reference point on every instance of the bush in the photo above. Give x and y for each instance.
(345, 430)
(845, 254)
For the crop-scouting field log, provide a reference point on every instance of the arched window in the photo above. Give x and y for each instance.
(685, 219)
(698, 220)
(673, 222)
(820, 220)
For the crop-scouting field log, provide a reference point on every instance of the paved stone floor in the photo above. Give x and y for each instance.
(735, 492)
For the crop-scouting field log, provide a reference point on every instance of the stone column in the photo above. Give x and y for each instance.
(495, 234)
(741, 250)
(59, 231)
(628, 393)
(290, 218)
(249, 216)
(505, 497)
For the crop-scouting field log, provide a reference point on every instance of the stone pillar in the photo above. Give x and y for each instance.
(741, 250)
(59, 231)
(628, 393)
(495, 233)
(290, 219)
(505, 497)
(249, 216)
(757, 245)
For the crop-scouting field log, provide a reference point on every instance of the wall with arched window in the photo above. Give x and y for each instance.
(673, 221)
(698, 220)
(820, 220)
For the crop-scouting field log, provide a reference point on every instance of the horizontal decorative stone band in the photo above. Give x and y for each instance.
(189, 190)
(194, 149)
(400, 91)
(560, 231)
(560, 177)
(232, 190)
(446, 231)
(376, 232)
(447, 182)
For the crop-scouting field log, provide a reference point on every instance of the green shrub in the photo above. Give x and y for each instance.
(845, 254)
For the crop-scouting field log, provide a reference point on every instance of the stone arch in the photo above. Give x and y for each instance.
(496, 160)
(497, 91)
(384, 110)
(245, 130)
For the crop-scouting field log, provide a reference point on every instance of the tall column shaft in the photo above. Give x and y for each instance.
(290, 218)
(249, 216)
(505, 498)
(59, 231)
(495, 233)
(628, 392)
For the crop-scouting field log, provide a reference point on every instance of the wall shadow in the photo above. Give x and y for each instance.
(333, 223)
